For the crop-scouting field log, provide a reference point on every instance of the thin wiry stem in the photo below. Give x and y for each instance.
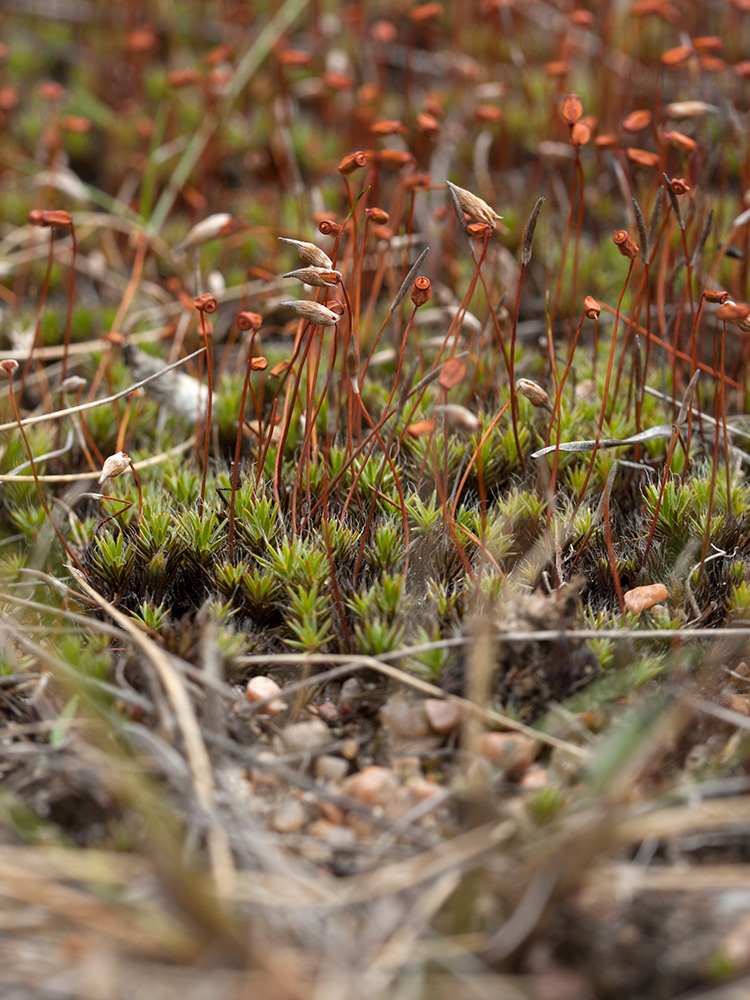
(38, 485)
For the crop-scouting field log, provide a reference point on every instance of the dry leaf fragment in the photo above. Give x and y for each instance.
(421, 427)
(451, 373)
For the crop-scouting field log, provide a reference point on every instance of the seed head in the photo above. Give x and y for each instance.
(352, 365)
(309, 254)
(421, 291)
(681, 141)
(395, 159)
(206, 303)
(477, 209)
(676, 56)
(591, 307)
(8, 368)
(427, 124)
(71, 384)
(55, 218)
(208, 229)
(183, 77)
(328, 228)
(715, 295)
(637, 120)
(352, 162)
(114, 466)
(580, 134)
(733, 312)
(249, 320)
(50, 90)
(689, 109)
(459, 418)
(679, 185)
(528, 235)
(642, 157)
(478, 230)
(388, 127)
(319, 276)
(313, 311)
(626, 244)
(572, 109)
(378, 216)
(534, 393)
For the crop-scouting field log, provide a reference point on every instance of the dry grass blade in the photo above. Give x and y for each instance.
(200, 764)
(249, 63)
(75, 477)
(407, 282)
(151, 933)
(58, 414)
(464, 852)
(417, 684)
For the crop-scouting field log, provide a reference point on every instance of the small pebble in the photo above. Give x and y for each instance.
(420, 788)
(306, 737)
(406, 765)
(289, 817)
(642, 598)
(331, 768)
(333, 834)
(443, 716)
(351, 689)
(374, 786)
(350, 748)
(262, 776)
(261, 687)
(328, 711)
(513, 752)
(536, 777)
(331, 812)
(404, 717)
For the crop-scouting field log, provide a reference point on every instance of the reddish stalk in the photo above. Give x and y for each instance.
(122, 309)
(525, 259)
(206, 304)
(474, 457)
(9, 368)
(40, 310)
(245, 321)
(610, 362)
(608, 538)
(722, 362)
(591, 310)
(714, 466)
(71, 293)
(675, 437)
(289, 398)
(670, 454)
(421, 292)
